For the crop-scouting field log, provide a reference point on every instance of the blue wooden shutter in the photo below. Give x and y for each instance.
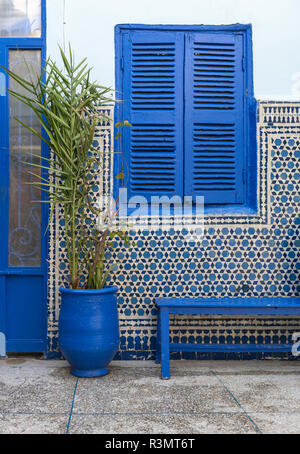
(214, 118)
(152, 100)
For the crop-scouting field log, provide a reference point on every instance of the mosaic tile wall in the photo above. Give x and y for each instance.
(255, 255)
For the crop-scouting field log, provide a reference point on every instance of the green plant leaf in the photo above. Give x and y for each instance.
(66, 103)
(120, 176)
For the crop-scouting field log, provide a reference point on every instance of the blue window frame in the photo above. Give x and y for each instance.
(188, 93)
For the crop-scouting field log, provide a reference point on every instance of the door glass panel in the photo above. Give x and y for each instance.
(25, 148)
(20, 18)
(2, 84)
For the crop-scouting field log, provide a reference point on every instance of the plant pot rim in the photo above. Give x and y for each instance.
(111, 289)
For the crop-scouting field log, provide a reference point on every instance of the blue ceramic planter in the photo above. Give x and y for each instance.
(89, 329)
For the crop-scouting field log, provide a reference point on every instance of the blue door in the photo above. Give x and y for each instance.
(23, 243)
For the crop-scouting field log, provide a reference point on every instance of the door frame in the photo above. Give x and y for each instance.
(5, 270)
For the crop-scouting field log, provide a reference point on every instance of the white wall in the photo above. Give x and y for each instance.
(89, 26)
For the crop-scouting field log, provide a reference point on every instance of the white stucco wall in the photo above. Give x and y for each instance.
(89, 26)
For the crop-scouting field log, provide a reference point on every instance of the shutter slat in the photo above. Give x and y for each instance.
(214, 149)
(152, 163)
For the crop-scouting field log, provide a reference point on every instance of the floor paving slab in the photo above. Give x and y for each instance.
(277, 423)
(35, 386)
(162, 424)
(201, 397)
(264, 390)
(32, 424)
(139, 389)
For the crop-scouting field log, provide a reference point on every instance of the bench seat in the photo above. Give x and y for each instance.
(218, 306)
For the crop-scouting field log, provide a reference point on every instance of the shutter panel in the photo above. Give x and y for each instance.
(214, 117)
(152, 102)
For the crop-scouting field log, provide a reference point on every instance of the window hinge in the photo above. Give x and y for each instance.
(244, 176)
(243, 64)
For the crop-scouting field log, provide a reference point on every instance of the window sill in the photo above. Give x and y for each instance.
(209, 211)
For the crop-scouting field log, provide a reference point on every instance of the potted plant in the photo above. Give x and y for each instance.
(67, 104)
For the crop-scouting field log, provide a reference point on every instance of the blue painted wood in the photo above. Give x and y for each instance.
(232, 348)
(158, 340)
(242, 302)
(2, 305)
(152, 96)
(24, 313)
(165, 344)
(23, 290)
(4, 163)
(250, 122)
(25, 346)
(214, 118)
(207, 28)
(221, 306)
(237, 127)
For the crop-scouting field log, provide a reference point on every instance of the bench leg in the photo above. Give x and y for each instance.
(165, 344)
(158, 342)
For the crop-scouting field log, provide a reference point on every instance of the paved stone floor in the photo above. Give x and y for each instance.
(39, 396)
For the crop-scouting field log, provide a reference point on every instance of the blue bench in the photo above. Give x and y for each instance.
(217, 306)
